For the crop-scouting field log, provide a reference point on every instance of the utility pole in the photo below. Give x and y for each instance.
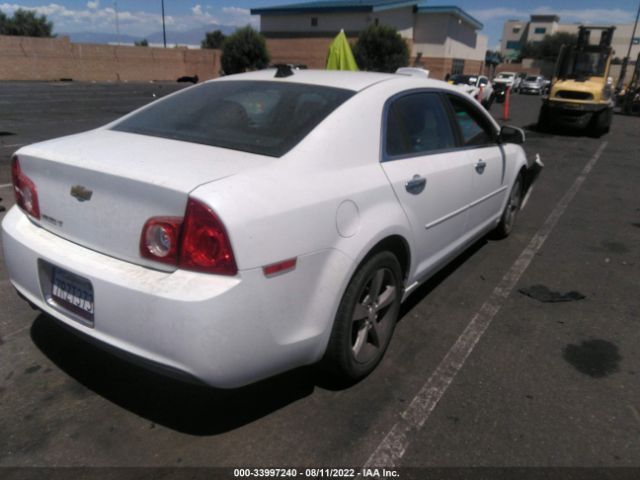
(625, 61)
(164, 31)
(115, 8)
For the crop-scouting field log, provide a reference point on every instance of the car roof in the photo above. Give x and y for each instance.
(355, 81)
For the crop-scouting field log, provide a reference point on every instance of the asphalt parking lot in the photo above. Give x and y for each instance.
(545, 384)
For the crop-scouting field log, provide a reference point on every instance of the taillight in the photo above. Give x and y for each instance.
(205, 244)
(198, 242)
(160, 239)
(25, 190)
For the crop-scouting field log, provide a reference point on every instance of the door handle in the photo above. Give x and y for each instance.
(480, 165)
(415, 185)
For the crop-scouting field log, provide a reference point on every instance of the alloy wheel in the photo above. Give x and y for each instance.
(372, 320)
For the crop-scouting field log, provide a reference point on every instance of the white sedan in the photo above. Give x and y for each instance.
(478, 86)
(259, 222)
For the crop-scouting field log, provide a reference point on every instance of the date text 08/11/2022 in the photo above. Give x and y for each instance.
(330, 473)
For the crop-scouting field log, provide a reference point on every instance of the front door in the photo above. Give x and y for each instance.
(488, 188)
(430, 176)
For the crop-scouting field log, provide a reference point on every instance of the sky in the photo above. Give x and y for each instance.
(142, 17)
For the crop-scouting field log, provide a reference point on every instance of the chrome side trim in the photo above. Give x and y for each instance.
(487, 197)
(447, 217)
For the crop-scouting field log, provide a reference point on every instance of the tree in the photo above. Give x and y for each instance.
(491, 60)
(3, 23)
(381, 49)
(244, 50)
(492, 57)
(549, 47)
(25, 23)
(142, 43)
(213, 39)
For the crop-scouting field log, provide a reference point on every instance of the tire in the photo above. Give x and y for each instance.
(510, 212)
(600, 123)
(544, 119)
(490, 101)
(364, 325)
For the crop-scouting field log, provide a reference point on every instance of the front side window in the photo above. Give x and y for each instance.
(475, 130)
(263, 117)
(417, 124)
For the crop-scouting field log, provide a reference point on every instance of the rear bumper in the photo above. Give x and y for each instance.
(223, 331)
(530, 89)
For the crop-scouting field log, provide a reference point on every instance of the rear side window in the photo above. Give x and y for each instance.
(417, 124)
(267, 118)
(475, 130)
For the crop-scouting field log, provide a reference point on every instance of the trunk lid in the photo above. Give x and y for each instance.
(98, 189)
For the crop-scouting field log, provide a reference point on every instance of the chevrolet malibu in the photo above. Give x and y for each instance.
(259, 222)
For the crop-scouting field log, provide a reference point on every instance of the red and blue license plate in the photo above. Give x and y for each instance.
(72, 293)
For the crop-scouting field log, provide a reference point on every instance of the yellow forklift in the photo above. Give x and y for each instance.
(581, 93)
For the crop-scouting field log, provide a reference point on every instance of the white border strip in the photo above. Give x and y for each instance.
(5, 185)
(395, 443)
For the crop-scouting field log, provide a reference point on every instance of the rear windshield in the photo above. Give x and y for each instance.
(531, 79)
(267, 118)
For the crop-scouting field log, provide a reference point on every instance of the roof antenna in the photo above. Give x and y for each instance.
(283, 71)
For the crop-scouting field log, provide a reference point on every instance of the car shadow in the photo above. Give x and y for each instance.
(535, 131)
(185, 407)
(427, 287)
(181, 406)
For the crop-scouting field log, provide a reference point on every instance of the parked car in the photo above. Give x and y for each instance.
(506, 79)
(533, 84)
(255, 223)
(518, 80)
(500, 92)
(478, 86)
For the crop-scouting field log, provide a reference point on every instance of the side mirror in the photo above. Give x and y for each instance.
(510, 134)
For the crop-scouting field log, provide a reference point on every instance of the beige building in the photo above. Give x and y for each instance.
(517, 33)
(442, 39)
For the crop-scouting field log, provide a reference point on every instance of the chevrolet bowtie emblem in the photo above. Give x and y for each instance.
(82, 194)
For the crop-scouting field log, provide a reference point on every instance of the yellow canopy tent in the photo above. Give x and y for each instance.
(340, 56)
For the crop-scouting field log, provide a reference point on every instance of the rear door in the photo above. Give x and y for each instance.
(479, 142)
(430, 177)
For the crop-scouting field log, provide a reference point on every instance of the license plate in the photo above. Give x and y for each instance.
(73, 293)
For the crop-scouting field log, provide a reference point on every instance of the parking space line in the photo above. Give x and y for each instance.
(5, 185)
(392, 448)
(16, 332)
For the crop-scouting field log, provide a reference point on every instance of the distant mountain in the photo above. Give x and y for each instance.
(188, 37)
(93, 37)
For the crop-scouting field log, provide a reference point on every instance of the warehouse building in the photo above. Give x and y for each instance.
(517, 33)
(443, 39)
